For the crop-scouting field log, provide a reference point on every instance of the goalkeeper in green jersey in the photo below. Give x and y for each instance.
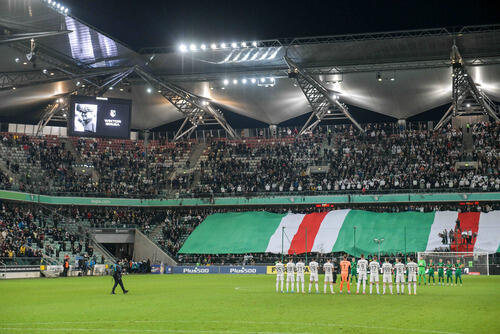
(449, 273)
(441, 272)
(458, 272)
(430, 272)
(354, 270)
(421, 270)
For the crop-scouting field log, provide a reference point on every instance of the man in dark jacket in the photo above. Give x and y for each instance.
(117, 276)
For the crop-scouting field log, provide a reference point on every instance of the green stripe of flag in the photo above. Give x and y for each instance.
(237, 232)
(392, 227)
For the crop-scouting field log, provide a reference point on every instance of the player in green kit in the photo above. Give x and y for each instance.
(449, 273)
(458, 272)
(354, 270)
(441, 272)
(421, 270)
(430, 273)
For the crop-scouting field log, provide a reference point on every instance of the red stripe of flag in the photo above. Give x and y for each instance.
(311, 224)
(469, 221)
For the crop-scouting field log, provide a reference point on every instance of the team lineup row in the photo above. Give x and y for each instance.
(359, 270)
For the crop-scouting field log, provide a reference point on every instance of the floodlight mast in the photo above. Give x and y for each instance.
(323, 104)
(196, 109)
(467, 98)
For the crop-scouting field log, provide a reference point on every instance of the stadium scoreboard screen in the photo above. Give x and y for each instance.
(92, 116)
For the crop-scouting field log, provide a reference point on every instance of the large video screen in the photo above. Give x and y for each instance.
(92, 116)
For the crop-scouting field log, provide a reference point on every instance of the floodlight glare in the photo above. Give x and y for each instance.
(149, 90)
(262, 79)
(234, 45)
(243, 44)
(183, 48)
(44, 71)
(244, 81)
(16, 60)
(58, 5)
(254, 44)
(66, 11)
(226, 82)
(213, 46)
(272, 79)
(253, 80)
(223, 45)
(235, 82)
(392, 79)
(468, 105)
(203, 46)
(192, 47)
(111, 88)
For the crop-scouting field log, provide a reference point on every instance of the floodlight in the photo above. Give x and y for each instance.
(272, 79)
(17, 60)
(223, 45)
(149, 90)
(121, 89)
(226, 82)
(44, 71)
(78, 83)
(111, 88)
(243, 44)
(183, 48)
(213, 46)
(58, 6)
(379, 77)
(62, 8)
(192, 47)
(253, 80)
(254, 44)
(243, 81)
(14, 88)
(66, 11)
(468, 105)
(234, 45)
(262, 79)
(203, 46)
(235, 82)
(392, 78)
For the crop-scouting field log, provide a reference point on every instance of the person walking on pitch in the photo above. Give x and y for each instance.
(313, 276)
(328, 269)
(280, 275)
(117, 276)
(399, 267)
(421, 270)
(440, 272)
(344, 274)
(387, 275)
(301, 268)
(354, 270)
(430, 272)
(290, 274)
(362, 271)
(374, 271)
(449, 273)
(458, 272)
(412, 275)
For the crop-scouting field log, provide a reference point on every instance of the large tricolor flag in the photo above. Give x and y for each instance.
(350, 231)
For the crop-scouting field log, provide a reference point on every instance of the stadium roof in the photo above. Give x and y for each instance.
(417, 61)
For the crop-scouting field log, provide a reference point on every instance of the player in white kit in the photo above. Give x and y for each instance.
(412, 275)
(399, 268)
(290, 274)
(280, 275)
(362, 270)
(313, 269)
(387, 275)
(301, 268)
(328, 269)
(374, 271)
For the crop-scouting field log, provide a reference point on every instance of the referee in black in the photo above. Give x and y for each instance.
(117, 276)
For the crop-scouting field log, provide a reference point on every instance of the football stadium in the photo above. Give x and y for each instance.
(249, 167)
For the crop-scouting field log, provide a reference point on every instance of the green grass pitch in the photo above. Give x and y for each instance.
(239, 304)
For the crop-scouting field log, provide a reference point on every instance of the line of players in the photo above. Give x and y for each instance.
(360, 270)
(441, 267)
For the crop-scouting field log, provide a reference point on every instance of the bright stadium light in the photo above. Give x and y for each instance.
(234, 45)
(244, 81)
(468, 105)
(213, 46)
(235, 82)
(192, 47)
(262, 79)
(149, 90)
(243, 44)
(203, 47)
(223, 45)
(254, 44)
(271, 79)
(58, 6)
(44, 71)
(111, 88)
(66, 11)
(183, 48)
(253, 80)
(226, 82)
(379, 77)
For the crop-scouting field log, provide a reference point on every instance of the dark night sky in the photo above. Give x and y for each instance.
(166, 23)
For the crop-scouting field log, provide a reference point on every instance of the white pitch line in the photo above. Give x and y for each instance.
(132, 330)
(417, 330)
